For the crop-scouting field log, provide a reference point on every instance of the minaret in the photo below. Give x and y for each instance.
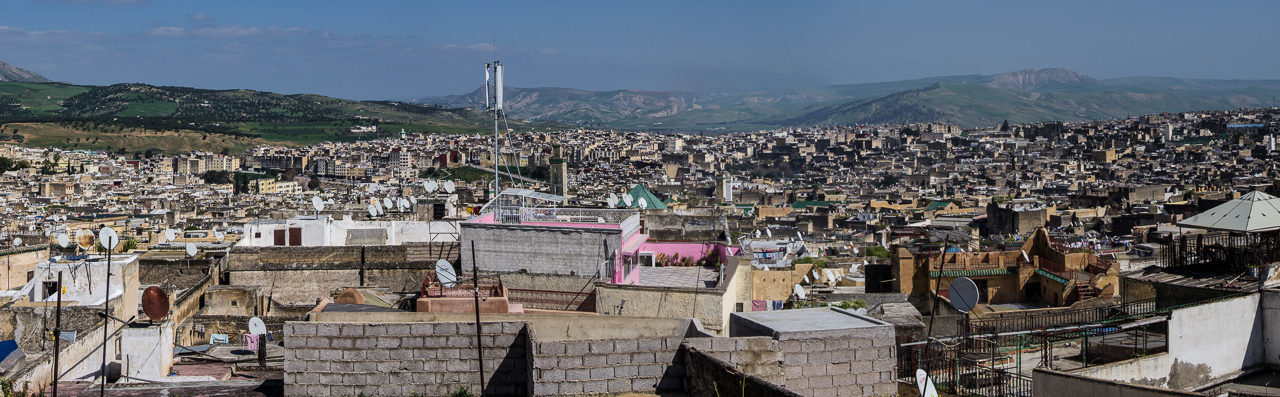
(559, 171)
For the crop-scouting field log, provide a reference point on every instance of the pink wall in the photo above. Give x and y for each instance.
(690, 250)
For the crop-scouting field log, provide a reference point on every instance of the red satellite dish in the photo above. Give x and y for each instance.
(155, 303)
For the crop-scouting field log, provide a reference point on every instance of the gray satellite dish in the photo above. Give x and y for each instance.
(413, 200)
(63, 240)
(798, 290)
(191, 250)
(642, 203)
(377, 206)
(373, 211)
(445, 273)
(317, 203)
(386, 203)
(170, 234)
(964, 294)
(627, 199)
(431, 186)
(757, 233)
(257, 327)
(17, 241)
(612, 200)
(449, 186)
(108, 238)
(403, 204)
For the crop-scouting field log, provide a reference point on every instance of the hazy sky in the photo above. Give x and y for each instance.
(394, 49)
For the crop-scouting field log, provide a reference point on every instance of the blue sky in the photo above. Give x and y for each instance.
(403, 49)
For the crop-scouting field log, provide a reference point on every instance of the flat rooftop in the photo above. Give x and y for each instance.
(783, 324)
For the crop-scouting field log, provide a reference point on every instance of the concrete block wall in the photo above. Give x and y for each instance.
(405, 358)
(607, 366)
(510, 248)
(848, 365)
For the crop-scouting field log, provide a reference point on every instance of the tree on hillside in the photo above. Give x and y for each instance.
(1004, 127)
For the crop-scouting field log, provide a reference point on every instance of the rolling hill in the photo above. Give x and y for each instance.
(968, 100)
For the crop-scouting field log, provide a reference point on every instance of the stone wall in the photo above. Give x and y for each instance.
(708, 375)
(706, 305)
(405, 358)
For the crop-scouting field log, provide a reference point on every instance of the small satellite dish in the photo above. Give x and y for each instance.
(257, 327)
(377, 205)
(1025, 256)
(386, 203)
(155, 303)
(855, 250)
(63, 240)
(612, 200)
(964, 294)
(373, 211)
(831, 276)
(757, 233)
(923, 382)
(220, 236)
(445, 273)
(431, 186)
(191, 250)
(449, 186)
(806, 279)
(170, 234)
(17, 241)
(798, 290)
(642, 203)
(317, 203)
(84, 239)
(800, 236)
(108, 238)
(413, 200)
(769, 232)
(627, 199)
(403, 204)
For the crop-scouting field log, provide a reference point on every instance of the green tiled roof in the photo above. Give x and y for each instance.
(1003, 271)
(651, 200)
(937, 205)
(1049, 275)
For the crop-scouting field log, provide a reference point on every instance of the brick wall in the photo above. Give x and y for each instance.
(708, 375)
(404, 358)
(607, 366)
(846, 365)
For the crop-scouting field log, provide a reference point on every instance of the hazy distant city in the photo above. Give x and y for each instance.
(268, 201)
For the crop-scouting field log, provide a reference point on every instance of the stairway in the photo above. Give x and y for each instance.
(1085, 291)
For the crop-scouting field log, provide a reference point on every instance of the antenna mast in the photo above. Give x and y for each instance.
(493, 103)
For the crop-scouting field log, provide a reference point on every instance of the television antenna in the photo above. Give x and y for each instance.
(109, 239)
(493, 103)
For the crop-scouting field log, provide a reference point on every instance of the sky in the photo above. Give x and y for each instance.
(410, 49)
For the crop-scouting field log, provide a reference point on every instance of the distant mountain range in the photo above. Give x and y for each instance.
(968, 100)
(13, 73)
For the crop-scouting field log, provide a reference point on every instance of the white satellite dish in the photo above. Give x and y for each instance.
(831, 276)
(170, 234)
(220, 236)
(317, 203)
(798, 290)
(84, 239)
(855, 250)
(449, 186)
(386, 203)
(799, 236)
(63, 240)
(806, 279)
(769, 232)
(257, 327)
(627, 199)
(377, 206)
(1025, 256)
(17, 241)
(431, 186)
(445, 273)
(373, 211)
(191, 250)
(642, 203)
(413, 200)
(403, 204)
(923, 382)
(757, 233)
(108, 238)
(612, 200)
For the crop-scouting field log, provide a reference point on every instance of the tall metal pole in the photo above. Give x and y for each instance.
(475, 283)
(497, 107)
(106, 319)
(57, 334)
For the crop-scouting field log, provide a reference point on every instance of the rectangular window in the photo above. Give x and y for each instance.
(279, 237)
(295, 236)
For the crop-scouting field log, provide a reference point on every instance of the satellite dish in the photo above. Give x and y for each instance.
(449, 186)
(317, 203)
(47, 232)
(373, 211)
(17, 241)
(800, 236)
(855, 250)
(63, 240)
(923, 382)
(798, 290)
(191, 250)
(769, 232)
(431, 186)
(757, 233)
(1025, 256)
(155, 303)
(386, 203)
(445, 273)
(257, 327)
(108, 238)
(170, 234)
(413, 200)
(806, 279)
(84, 239)
(612, 200)
(220, 236)
(964, 294)
(377, 206)
(831, 276)
(627, 199)
(642, 203)
(403, 204)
